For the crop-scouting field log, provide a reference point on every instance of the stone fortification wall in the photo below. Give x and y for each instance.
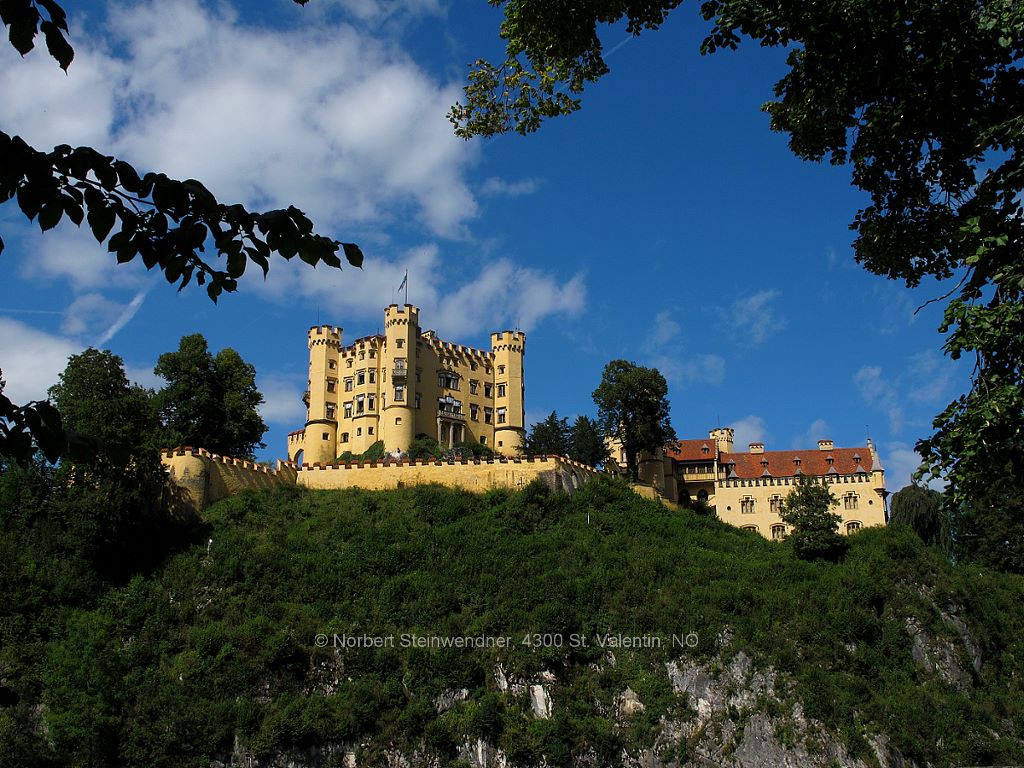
(560, 473)
(207, 478)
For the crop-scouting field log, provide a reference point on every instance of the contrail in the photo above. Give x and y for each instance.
(124, 318)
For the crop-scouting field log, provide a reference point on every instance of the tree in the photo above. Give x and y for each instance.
(632, 405)
(923, 100)
(165, 222)
(922, 509)
(112, 503)
(815, 529)
(209, 402)
(550, 437)
(586, 442)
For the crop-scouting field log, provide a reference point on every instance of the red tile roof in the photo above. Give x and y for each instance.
(782, 464)
(693, 450)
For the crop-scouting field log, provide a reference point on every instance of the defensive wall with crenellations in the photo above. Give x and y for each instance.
(207, 478)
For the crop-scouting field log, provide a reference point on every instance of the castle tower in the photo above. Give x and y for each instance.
(321, 438)
(509, 348)
(723, 436)
(398, 375)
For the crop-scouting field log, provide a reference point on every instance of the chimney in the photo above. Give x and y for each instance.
(756, 447)
(824, 445)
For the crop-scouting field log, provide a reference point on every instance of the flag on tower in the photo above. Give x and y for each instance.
(404, 280)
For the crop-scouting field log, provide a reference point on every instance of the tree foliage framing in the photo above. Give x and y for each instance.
(925, 102)
(167, 223)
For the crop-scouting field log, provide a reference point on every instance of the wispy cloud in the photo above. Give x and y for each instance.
(753, 318)
(880, 393)
(665, 350)
(495, 187)
(31, 359)
(749, 429)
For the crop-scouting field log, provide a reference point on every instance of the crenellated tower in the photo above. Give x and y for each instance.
(321, 398)
(509, 349)
(398, 418)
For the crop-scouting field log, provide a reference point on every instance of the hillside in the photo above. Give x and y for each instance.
(213, 658)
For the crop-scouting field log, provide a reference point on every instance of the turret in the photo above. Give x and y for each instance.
(723, 437)
(321, 439)
(509, 348)
(398, 419)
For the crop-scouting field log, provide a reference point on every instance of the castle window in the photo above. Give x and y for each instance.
(776, 504)
(853, 526)
(331, 385)
(344, 437)
(359, 431)
(419, 371)
(398, 421)
(487, 390)
(399, 343)
(330, 410)
(447, 380)
(473, 386)
(360, 404)
(474, 411)
(331, 364)
(501, 390)
(501, 369)
(399, 393)
(500, 443)
(348, 410)
(472, 366)
(483, 439)
(348, 363)
(417, 399)
(348, 384)
(369, 430)
(750, 528)
(371, 402)
(501, 415)
(778, 532)
(702, 495)
(362, 355)
(360, 378)
(747, 506)
(373, 376)
(488, 415)
(850, 501)
(326, 436)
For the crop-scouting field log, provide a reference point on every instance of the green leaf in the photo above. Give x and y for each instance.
(128, 176)
(236, 263)
(353, 254)
(23, 29)
(57, 45)
(101, 221)
(50, 214)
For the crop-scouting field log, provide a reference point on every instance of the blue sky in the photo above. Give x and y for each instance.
(663, 223)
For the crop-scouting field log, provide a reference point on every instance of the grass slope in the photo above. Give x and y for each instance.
(219, 641)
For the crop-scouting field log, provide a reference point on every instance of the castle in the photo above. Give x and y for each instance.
(407, 383)
(747, 488)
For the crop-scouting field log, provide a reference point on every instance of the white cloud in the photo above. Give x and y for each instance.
(749, 429)
(933, 378)
(495, 187)
(880, 393)
(664, 350)
(754, 319)
(88, 313)
(323, 115)
(282, 397)
(31, 359)
(900, 462)
(501, 295)
(72, 254)
(818, 430)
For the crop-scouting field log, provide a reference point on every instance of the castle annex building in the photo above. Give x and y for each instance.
(405, 383)
(747, 488)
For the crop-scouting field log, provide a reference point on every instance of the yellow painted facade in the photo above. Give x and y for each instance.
(405, 383)
(746, 488)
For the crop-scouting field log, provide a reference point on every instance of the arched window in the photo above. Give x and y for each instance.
(702, 495)
(778, 532)
(750, 528)
(853, 526)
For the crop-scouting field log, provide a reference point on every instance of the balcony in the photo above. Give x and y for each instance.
(451, 414)
(399, 373)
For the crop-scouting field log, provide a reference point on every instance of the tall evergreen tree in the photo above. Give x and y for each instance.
(815, 532)
(632, 405)
(550, 437)
(586, 442)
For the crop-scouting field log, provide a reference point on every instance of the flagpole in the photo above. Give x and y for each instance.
(406, 281)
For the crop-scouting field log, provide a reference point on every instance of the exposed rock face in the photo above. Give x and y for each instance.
(540, 701)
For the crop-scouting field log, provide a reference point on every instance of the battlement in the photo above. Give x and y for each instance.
(401, 314)
(208, 477)
(329, 335)
(513, 341)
